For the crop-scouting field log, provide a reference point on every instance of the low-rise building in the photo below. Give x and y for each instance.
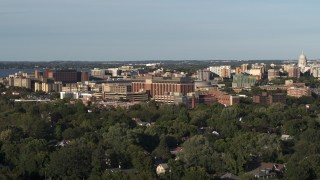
(268, 170)
(163, 86)
(129, 96)
(269, 98)
(298, 90)
(224, 98)
(117, 87)
(162, 168)
(286, 137)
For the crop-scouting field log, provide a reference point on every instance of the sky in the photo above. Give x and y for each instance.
(115, 30)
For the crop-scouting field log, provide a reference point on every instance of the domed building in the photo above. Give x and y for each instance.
(302, 63)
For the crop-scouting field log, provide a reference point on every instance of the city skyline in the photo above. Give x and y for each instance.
(37, 30)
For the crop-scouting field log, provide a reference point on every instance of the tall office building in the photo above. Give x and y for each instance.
(67, 76)
(84, 75)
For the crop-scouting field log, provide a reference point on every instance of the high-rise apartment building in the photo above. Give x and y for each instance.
(225, 71)
(244, 68)
(203, 75)
(294, 71)
(20, 82)
(261, 66)
(221, 71)
(315, 71)
(273, 73)
(238, 70)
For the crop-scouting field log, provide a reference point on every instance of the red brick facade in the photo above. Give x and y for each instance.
(161, 86)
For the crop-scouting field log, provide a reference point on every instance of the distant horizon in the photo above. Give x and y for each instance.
(127, 30)
(154, 60)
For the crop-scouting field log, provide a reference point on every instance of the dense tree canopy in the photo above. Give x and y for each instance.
(63, 140)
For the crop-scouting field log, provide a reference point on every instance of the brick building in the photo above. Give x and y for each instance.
(164, 86)
(224, 98)
(269, 98)
(298, 90)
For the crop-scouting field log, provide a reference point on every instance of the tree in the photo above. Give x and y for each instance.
(162, 151)
(247, 176)
(229, 113)
(200, 117)
(33, 157)
(119, 137)
(177, 169)
(183, 116)
(38, 128)
(98, 161)
(72, 133)
(296, 171)
(247, 147)
(140, 159)
(196, 173)
(198, 152)
(71, 161)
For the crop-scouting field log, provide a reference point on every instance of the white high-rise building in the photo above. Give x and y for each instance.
(302, 63)
(221, 71)
(315, 71)
(216, 70)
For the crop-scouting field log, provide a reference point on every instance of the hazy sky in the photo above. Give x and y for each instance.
(158, 29)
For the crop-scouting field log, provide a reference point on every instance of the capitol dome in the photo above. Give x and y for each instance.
(302, 56)
(302, 63)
